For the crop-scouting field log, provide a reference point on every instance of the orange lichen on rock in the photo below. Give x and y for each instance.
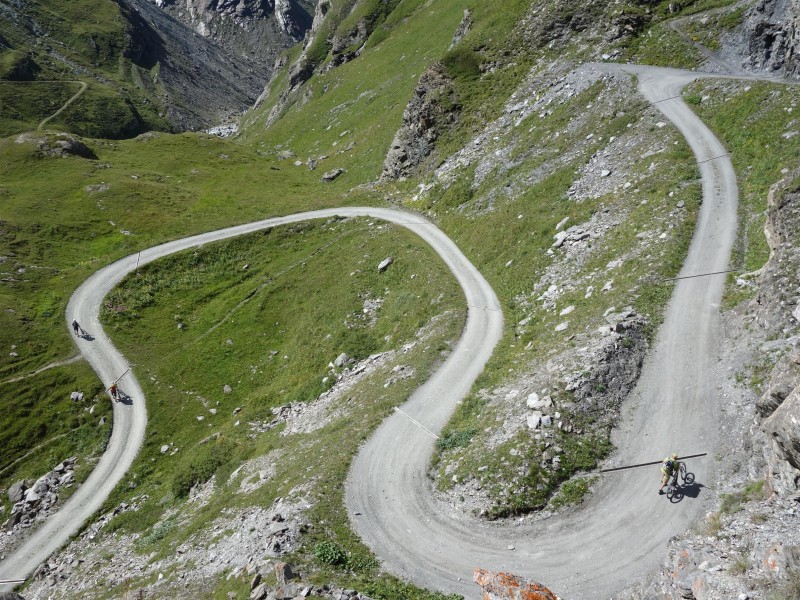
(505, 586)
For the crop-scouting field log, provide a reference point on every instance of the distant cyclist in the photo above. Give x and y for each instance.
(670, 467)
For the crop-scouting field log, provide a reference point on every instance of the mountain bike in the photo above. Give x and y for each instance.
(673, 487)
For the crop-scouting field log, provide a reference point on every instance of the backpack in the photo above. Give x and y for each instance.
(668, 464)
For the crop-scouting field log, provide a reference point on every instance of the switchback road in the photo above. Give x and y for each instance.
(613, 540)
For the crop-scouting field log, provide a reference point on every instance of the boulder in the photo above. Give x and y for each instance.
(341, 360)
(63, 145)
(283, 573)
(16, 491)
(384, 264)
(505, 586)
(432, 108)
(259, 592)
(534, 420)
(329, 176)
(782, 426)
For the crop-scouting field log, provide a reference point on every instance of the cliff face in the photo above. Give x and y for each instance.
(256, 29)
(200, 82)
(772, 36)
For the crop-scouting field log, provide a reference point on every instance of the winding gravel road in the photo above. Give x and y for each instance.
(620, 533)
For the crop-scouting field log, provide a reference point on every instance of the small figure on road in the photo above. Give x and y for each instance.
(114, 391)
(669, 468)
(76, 327)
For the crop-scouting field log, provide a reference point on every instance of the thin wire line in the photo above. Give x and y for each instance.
(700, 162)
(665, 99)
(701, 275)
(417, 423)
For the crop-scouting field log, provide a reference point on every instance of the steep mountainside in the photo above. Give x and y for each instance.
(155, 71)
(256, 29)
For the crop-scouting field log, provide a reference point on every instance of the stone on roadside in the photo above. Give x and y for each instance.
(782, 428)
(505, 586)
(774, 397)
(341, 360)
(605, 173)
(562, 326)
(533, 400)
(164, 448)
(76, 396)
(226, 389)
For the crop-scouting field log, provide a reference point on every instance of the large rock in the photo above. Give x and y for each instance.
(283, 573)
(16, 491)
(505, 586)
(61, 145)
(774, 397)
(771, 36)
(783, 426)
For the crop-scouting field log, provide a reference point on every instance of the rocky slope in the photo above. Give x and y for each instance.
(199, 81)
(255, 29)
(749, 545)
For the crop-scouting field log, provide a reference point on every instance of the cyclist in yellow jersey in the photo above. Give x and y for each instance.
(670, 467)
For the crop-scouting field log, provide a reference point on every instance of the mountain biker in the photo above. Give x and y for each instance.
(670, 467)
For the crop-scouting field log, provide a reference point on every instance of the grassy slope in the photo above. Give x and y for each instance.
(756, 123)
(84, 41)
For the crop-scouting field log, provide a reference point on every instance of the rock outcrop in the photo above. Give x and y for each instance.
(505, 586)
(771, 35)
(783, 428)
(33, 500)
(58, 145)
(774, 312)
(432, 107)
